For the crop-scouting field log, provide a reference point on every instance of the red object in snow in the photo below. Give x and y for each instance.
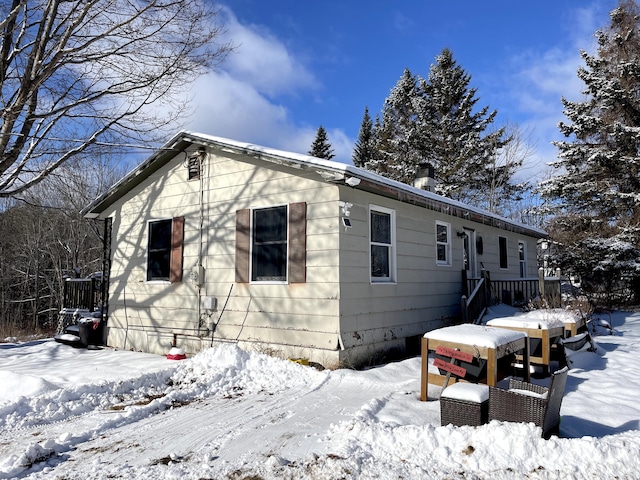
(176, 354)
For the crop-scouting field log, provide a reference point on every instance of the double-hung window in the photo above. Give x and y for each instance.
(443, 244)
(382, 244)
(164, 250)
(269, 244)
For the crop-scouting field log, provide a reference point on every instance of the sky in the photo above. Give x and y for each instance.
(299, 65)
(76, 413)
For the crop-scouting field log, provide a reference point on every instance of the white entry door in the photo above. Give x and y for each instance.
(469, 253)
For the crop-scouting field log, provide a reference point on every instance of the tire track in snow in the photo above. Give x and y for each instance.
(216, 430)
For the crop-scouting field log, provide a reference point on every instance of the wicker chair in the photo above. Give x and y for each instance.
(526, 402)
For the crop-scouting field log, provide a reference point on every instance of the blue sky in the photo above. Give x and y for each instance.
(302, 64)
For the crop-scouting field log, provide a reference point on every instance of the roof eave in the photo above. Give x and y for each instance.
(329, 171)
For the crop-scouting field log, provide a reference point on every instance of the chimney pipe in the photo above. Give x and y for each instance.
(425, 177)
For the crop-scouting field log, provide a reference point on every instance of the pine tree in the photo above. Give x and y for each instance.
(398, 153)
(596, 191)
(453, 136)
(321, 148)
(433, 121)
(365, 148)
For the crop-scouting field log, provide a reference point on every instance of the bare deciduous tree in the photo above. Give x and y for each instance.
(502, 194)
(46, 239)
(78, 75)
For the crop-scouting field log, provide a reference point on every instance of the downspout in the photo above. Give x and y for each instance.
(200, 268)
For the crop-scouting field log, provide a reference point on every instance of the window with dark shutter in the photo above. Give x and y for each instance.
(164, 250)
(271, 244)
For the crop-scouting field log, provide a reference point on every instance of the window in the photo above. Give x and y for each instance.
(382, 243)
(164, 250)
(522, 257)
(502, 243)
(269, 245)
(443, 243)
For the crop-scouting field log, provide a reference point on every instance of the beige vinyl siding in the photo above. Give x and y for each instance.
(426, 295)
(381, 314)
(292, 316)
(337, 314)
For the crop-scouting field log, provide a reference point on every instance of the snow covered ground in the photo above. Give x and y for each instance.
(70, 413)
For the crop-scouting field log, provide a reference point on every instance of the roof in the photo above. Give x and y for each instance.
(330, 171)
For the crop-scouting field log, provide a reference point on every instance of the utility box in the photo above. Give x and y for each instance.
(197, 275)
(210, 303)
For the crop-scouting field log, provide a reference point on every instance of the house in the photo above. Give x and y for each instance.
(213, 240)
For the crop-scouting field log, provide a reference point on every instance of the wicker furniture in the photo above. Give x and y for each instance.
(464, 404)
(488, 346)
(526, 402)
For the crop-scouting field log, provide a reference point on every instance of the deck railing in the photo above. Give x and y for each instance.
(81, 293)
(516, 292)
(475, 305)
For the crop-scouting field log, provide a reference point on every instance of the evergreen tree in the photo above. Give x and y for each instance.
(596, 191)
(365, 148)
(433, 121)
(453, 136)
(321, 148)
(397, 133)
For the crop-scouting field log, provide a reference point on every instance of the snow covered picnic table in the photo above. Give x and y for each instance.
(542, 332)
(475, 353)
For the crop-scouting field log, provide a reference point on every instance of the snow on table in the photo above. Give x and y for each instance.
(541, 324)
(572, 321)
(476, 335)
(542, 331)
(478, 342)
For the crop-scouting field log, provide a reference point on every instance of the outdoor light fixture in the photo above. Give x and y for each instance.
(346, 212)
(346, 208)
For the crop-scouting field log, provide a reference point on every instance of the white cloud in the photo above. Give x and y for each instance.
(264, 61)
(243, 99)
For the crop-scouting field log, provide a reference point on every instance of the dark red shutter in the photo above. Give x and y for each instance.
(177, 237)
(243, 226)
(298, 242)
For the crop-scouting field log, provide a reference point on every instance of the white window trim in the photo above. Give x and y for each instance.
(448, 262)
(524, 261)
(286, 272)
(392, 280)
(146, 258)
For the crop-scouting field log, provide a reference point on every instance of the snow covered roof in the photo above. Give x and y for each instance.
(335, 172)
